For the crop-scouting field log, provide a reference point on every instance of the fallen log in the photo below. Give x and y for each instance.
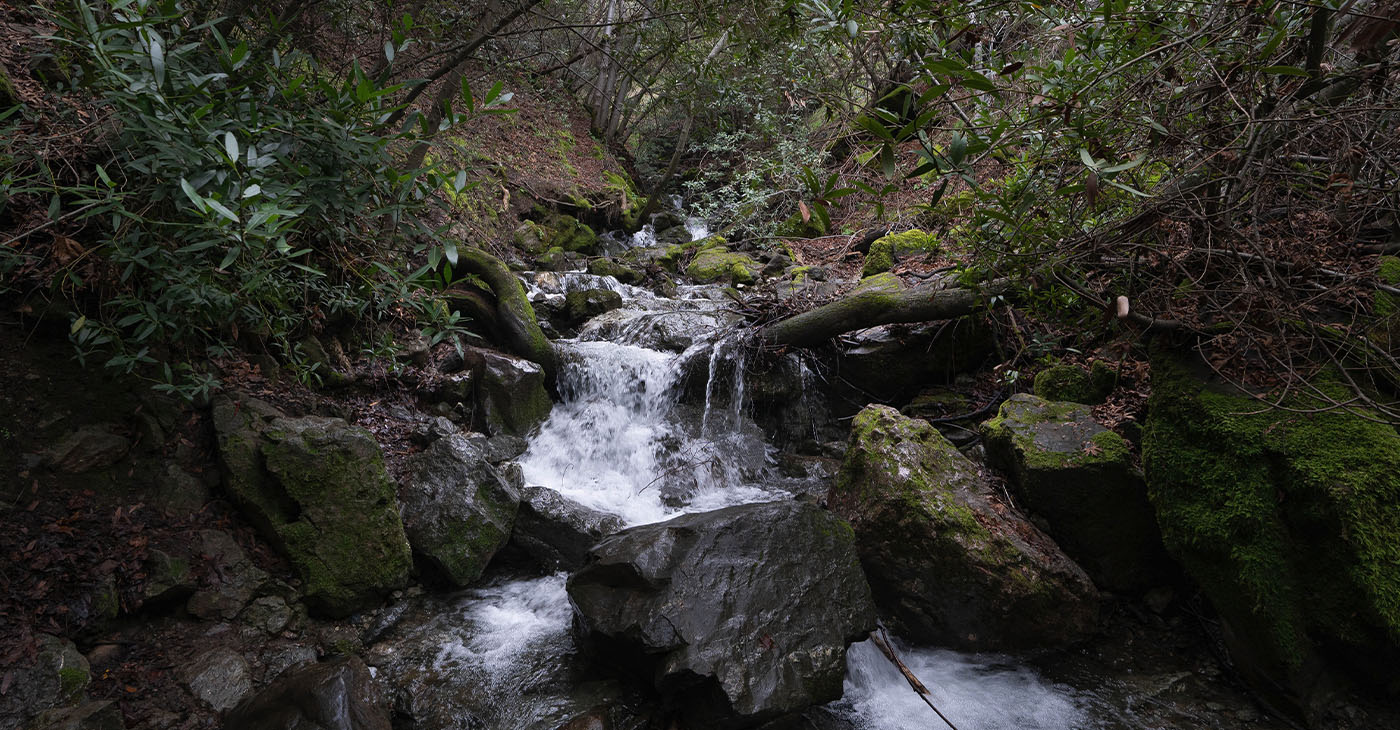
(515, 318)
(868, 307)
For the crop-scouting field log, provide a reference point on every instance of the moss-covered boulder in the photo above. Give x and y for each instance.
(585, 304)
(616, 269)
(713, 262)
(318, 489)
(458, 509)
(1067, 382)
(1080, 477)
(1288, 519)
(886, 251)
(949, 565)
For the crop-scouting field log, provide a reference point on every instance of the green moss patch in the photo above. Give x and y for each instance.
(1290, 521)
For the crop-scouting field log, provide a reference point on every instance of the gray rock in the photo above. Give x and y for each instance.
(218, 677)
(580, 306)
(895, 362)
(103, 715)
(170, 578)
(757, 601)
(950, 566)
(557, 531)
(511, 397)
(180, 493)
(55, 679)
(269, 614)
(281, 658)
(318, 489)
(1080, 477)
(338, 694)
(88, 448)
(233, 578)
(457, 508)
(497, 449)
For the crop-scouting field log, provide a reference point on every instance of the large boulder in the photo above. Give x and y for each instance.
(338, 694)
(753, 605)
(1289, 520)
(951, 566)
(458, 510)
(318, 489)
(888, 250)
(557, 531)
(583, 305)
(511, 396)
(1080, 477)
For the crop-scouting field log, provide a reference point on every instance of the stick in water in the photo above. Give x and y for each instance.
(882, 640)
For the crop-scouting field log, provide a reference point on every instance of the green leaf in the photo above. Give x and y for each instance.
(1130, 189)
(852, 29)
(102, 174)
(887, 160)
(219, 208)
(1088, 159)
(157, 57)
(1285, 70)
(230, 257)
(193, 195)
(957, 149)
(1130, 164)
(231, 147)
(389, 51)
(449, 248)
(77, 325)
(467, 99)
(252, 190)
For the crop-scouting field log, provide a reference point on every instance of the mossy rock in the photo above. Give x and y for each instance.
(616, 269)
(319, 491)
(937, 403)
(585, 304)
(795, 227)
(1066, 382)
(1288, 519)
(948, 565)
(888, 250)
(8, 97)
(555, 230)
(713, 262)
(1080, 477)
(57, 675)
(510, 393)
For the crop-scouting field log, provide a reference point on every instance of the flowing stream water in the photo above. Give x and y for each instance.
(623, 440)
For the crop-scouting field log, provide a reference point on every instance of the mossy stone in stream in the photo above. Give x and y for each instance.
(887, 250)
(713, 262)
(1288, 519)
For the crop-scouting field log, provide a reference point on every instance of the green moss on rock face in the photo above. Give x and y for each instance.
(946, 563)
(1080, 477)
(1289, 521)
(1066, 382)
(1387, 304)
(885, 251)
(617, 270)
(713, 263)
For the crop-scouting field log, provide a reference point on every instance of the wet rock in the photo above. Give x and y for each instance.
(580, 306)
(233, 578)
(511, 397)
(278, 660)
(218, 677)
(318, 489)
(458, 510)
(56, 678)
(753, 604)
(1080, 477)
(948, 564)
(557, 531)
(338, 694)
(497, 449)
(180, 493)
(616, 269)
(88, 448)
(103, 715)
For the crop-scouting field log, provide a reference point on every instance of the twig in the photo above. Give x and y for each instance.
(881, 640)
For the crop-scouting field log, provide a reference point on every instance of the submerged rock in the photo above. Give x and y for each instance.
(952, 567)
(1080, 477)
(338, 694)
(1289, 520)
(557, 531)
(458, 510)
(755, 604)
(318, 489)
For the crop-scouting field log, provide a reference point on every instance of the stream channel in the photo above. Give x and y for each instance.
(652, 424)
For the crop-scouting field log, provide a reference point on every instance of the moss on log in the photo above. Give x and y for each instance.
(514, 315)
(870, 306)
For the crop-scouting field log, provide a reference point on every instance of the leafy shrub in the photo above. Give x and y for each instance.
(243, 193)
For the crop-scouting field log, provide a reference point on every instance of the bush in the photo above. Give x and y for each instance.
(243, 192)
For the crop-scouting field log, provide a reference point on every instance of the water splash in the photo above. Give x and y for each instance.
(973, 691)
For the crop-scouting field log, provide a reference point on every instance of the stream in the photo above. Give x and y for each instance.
(626, 440)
